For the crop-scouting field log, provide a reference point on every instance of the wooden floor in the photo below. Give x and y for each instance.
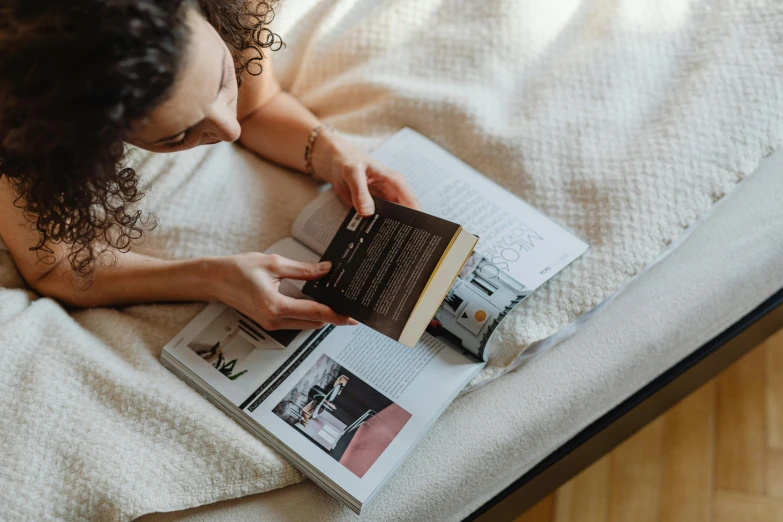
(716, 456)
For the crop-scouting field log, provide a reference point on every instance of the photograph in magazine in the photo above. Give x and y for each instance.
(481, 296)
(227, 341)
(344, 416)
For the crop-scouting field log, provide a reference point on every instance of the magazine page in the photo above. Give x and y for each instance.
(346, 400)
(514, 237)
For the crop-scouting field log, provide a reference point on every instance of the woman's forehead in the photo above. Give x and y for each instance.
(194, 91)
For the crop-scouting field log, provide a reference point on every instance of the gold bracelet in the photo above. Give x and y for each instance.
(310, 147)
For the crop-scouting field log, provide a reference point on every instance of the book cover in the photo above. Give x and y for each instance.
(383, 264)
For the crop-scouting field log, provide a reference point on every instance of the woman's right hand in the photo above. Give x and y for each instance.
(249, 283)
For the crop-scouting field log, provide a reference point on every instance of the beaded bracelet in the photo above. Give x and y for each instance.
(308, 155)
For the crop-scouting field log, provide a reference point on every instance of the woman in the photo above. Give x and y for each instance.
(80, 78)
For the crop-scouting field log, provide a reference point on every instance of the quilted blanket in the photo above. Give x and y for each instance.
(625, 120)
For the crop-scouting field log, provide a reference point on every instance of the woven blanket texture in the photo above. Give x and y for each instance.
(624, 120)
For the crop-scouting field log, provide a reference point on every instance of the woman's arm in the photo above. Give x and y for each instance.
(247, 282)
(276, 126)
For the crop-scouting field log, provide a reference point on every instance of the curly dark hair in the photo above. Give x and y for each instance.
(74, 74)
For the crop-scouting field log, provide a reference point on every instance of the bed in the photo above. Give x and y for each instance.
(709, 299)
(648, 129)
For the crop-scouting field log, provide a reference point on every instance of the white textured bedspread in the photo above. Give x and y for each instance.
(625, 120)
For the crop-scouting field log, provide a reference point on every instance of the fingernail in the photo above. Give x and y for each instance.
(352, 321)
(325, 265)
(366, 209)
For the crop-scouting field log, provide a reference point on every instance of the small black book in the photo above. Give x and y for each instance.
(392, 270)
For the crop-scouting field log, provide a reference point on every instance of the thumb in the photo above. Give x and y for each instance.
(356, 180)
(284, 268)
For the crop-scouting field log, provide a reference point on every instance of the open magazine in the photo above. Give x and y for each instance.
(347, 404)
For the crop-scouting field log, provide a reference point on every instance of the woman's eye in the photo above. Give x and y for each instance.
(177, 144)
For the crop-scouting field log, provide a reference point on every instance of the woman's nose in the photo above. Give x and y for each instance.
(224, 128)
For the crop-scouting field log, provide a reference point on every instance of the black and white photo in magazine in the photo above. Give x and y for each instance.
(227, 341)
(347, 418)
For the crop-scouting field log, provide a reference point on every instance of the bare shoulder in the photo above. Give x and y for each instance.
(257, 89)
(19, 234)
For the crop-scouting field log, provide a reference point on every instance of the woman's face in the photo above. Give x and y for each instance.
(202, 108)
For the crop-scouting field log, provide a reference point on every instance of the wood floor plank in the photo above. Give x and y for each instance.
(775, 474)
(541, 512)
(715, 457)
(774, 385)
(740, 434)
(585, 498)
(688, 452)
(733, 506)
(636, 474)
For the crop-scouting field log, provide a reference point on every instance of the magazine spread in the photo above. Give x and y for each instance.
(347, 404)
(519, 248)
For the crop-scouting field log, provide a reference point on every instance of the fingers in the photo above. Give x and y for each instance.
(392, 186)
(356, 178)
(285, 268)
(288, 308)
(255, 292)
(362, 181)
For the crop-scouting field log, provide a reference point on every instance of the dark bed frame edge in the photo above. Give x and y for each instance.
(635, 412)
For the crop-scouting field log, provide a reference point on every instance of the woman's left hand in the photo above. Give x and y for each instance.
(356, 176)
